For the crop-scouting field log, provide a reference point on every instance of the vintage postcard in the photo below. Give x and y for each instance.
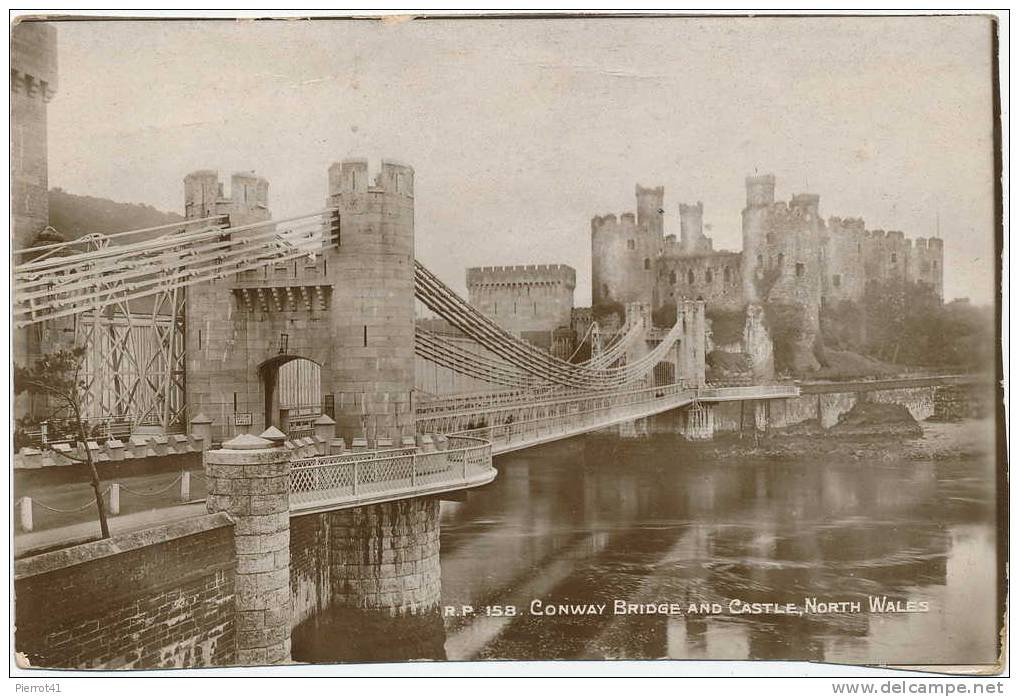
(433, 339)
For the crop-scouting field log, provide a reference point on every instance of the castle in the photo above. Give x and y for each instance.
(791, 257)
(793, 264)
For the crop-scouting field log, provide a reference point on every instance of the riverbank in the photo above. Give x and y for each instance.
(892, 442)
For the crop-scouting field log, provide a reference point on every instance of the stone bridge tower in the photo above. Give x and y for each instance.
(349, 309)
(33, 85)
(372, 273)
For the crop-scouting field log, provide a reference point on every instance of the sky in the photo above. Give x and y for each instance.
(520, 131)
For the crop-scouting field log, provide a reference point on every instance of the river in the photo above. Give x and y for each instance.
(613, 529)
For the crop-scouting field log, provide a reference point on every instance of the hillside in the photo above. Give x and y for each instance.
(74, 216)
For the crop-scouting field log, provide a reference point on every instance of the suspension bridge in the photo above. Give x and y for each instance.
(198, 319)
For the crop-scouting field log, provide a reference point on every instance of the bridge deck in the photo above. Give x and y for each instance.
(357, 479)
(512, 425)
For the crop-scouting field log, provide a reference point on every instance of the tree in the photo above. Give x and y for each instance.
(56, 375)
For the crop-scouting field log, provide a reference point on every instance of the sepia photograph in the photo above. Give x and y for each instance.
(624, 341)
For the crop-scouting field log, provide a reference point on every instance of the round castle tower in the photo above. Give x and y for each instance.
(760, 197)
(373, 299)
(624, 250)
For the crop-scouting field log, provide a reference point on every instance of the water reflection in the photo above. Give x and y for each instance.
(598, 519)
(368, 636)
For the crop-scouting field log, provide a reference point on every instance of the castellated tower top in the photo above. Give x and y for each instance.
(808, 203)
(204, 195)
(34, 59)
(650, 208)
(760, 190)
(351, 176)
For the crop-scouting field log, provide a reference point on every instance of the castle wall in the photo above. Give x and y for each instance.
(885, 256)
(529, 301)
(714, 278)
(844, 277)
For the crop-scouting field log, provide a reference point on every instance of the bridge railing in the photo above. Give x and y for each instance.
(460, 402)
(747, 392)
(325, 483)
(531, 399)
(568, 417)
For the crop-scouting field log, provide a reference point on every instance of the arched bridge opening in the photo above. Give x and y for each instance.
(292, 393)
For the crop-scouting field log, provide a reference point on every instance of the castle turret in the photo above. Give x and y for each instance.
(373, 364)
(650, 210)
(624, 250)
(248, 201)
(760, 190)
(691, 230)
(782, 266)
(760, 198)
(807, 204)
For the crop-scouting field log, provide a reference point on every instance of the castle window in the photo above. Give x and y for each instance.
(708, 277)
(727, 275)
(647, 263)
(935, 266)
(859, 248)
(689, 277)
(760, 260)
(770, 237)
(894, 257)
(605, 290)
(781, 260)
(836, 280)
(799, 270)
(672, 277)
(630, 244)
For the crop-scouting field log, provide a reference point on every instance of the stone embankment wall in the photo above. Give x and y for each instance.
(156, 598)
(826, 407)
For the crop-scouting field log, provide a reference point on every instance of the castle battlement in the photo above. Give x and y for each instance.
(204, 195)
(610, 224)
(352, 175)
(34, 59)
(524, 274)
(855, 225)
(760, 190)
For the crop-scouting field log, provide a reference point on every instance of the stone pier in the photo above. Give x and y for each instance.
(699, 422)
(386, 557)
(249, 478)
